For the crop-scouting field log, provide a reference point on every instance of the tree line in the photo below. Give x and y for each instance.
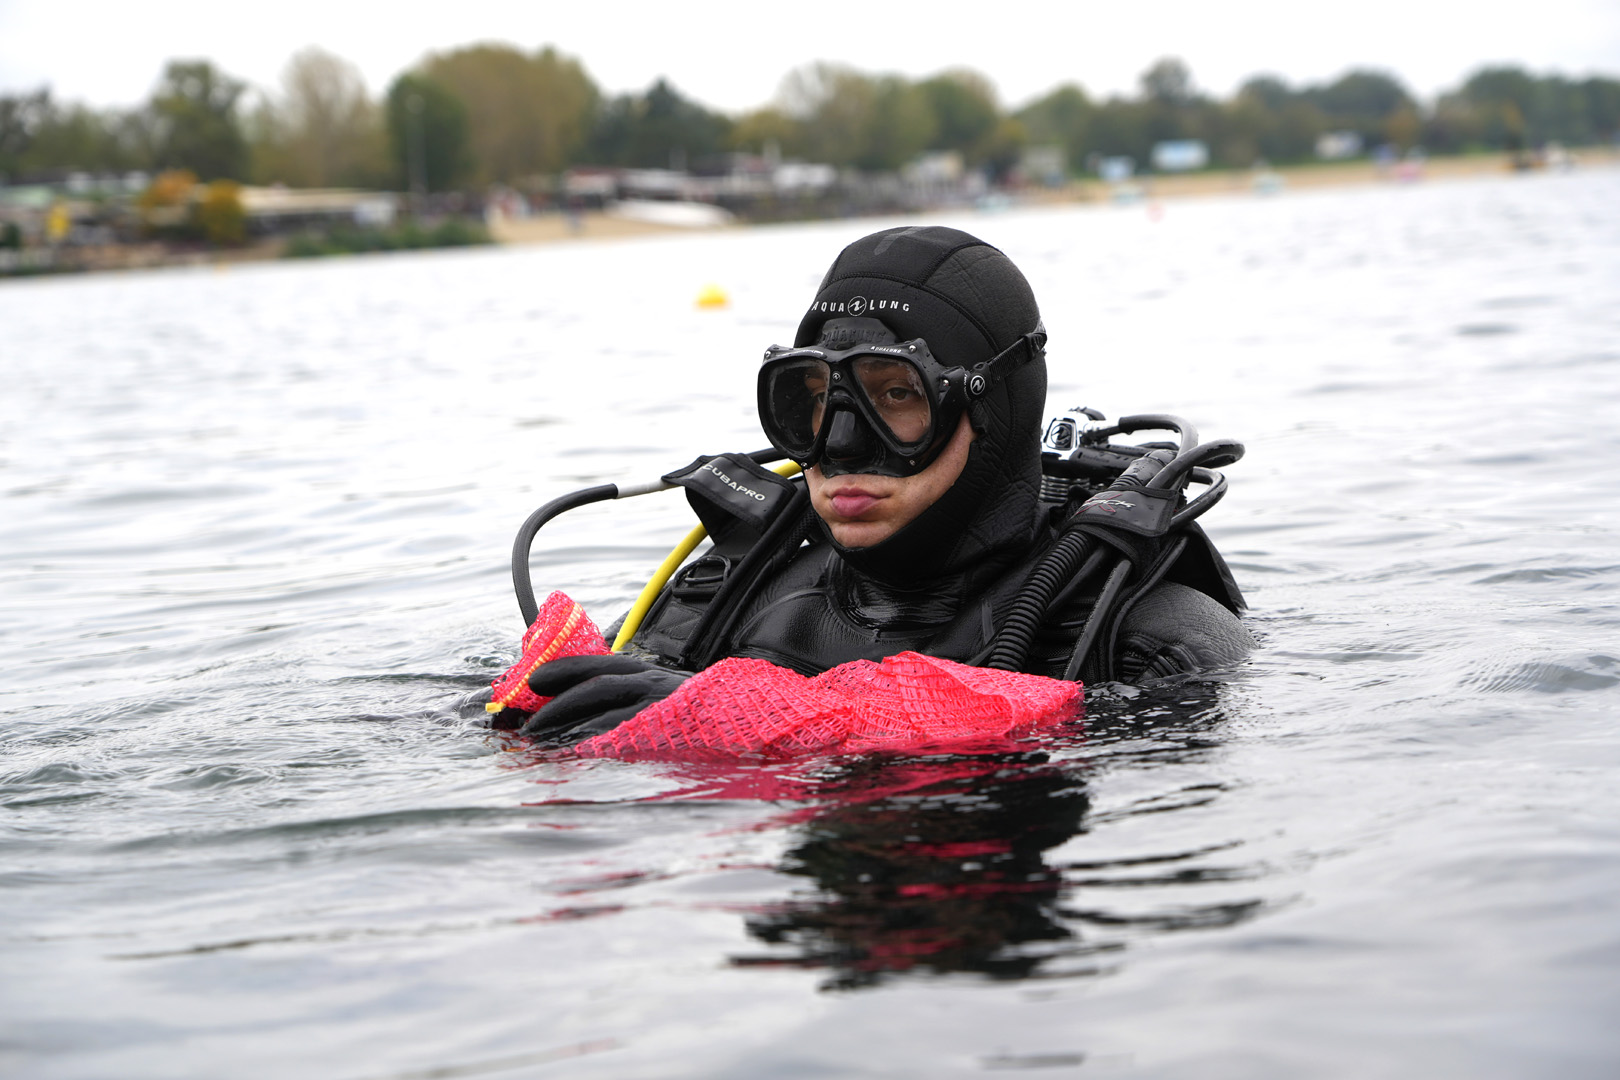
(486, 114)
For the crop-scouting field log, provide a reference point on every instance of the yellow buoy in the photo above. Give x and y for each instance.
(712, 296)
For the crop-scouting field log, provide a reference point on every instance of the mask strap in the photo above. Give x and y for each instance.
(1008, 360)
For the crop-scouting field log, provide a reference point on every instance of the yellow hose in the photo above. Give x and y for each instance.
(672, 562)
(655, 585)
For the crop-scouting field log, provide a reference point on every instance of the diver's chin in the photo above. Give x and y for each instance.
(856, 535)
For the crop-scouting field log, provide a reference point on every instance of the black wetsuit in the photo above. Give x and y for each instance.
(820, 610)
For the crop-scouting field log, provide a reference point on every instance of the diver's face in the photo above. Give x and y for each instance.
(861, 509)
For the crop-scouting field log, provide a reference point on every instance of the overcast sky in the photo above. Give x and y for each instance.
(731, 54)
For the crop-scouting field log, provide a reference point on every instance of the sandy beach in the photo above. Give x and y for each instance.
(598, 225)
(1350, 174)
(591, 225)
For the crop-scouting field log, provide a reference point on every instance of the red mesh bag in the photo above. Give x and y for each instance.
(752, 708)
(560, 629)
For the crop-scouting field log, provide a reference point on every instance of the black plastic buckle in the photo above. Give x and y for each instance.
(702, 578)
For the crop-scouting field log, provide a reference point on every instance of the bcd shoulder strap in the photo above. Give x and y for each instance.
(732, 494)
(737, 500)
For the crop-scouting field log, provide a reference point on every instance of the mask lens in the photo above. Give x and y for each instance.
(796, 395)
(899, 398)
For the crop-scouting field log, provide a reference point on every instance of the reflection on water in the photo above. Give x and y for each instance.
(934, 865)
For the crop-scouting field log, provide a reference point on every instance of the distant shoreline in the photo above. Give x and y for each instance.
(593, 226)
(596, 225)
(1355, 174)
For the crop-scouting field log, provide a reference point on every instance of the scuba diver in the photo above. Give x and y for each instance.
(914, 400)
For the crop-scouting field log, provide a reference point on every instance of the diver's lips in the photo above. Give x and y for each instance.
(853, 502)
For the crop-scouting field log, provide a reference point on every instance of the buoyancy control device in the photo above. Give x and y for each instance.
(1122, 517)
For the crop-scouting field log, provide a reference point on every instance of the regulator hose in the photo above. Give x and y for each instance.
(1011, 644)
(1216, 491)
(1213, 454)
(1158, 470)
(521, 584)
(1079, 580)
(1012, 641)
(1129, 425)
(1120, 607)
(1098, 617)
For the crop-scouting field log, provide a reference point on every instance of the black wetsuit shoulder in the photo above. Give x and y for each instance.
(1171, 629)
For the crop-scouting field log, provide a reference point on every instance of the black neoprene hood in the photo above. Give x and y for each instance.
(969, 302)
(962, 296)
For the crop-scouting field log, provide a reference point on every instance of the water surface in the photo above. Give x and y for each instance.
(253, 537)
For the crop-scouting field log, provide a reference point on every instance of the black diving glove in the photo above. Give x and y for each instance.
(593, 694)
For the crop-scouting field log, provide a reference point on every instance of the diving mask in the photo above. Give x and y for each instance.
(874, 407)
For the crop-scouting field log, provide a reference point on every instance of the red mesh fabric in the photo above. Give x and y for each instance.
(752, 708)
(561, 629)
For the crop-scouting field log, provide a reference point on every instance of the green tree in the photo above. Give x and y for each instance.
(325, 130)
(1170, 107)
(853, 119)
(1603, 107)
(899, 126)
(526, 114)
(74, 137)
(1117, 127)
(1245, 123)
(658, 129)
(427, 134)
(1063, 117)
(831, 104)
(38, 134)
(1507, 107)
(21, 117)
(1003, 148)
(1493, 104)
(1268, 92)
(1362, 101)
(195, 105)
(1453, 125)
(1168, 82)
(1501, 85)
(965, 113)
(1269, 120)
(136, 138)
(1514, 107)
(1403, 129)
(764, 129)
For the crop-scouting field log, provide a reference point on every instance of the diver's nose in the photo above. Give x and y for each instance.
(848, 439)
